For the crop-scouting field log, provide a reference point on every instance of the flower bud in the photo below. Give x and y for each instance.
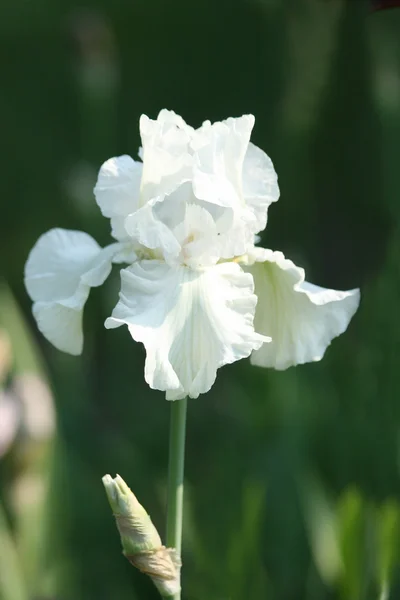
(141, 542)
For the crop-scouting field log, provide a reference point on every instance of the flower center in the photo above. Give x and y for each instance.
(189, 247)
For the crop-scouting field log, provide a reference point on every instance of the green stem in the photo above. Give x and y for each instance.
(176, 464)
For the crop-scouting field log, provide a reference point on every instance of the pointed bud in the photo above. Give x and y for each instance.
(141, 542)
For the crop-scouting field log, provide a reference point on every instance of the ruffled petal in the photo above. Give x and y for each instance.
(167, 162)
(178, 229)
(190, 322)
(198, 237)
(301, 318)
(117, 191)
(230, 171)
(147, 229)
(236, 240)
(260, 184)
(170, 120)
(219, 152)
(60, 270)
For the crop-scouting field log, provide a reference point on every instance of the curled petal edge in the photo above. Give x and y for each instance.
(301, 318)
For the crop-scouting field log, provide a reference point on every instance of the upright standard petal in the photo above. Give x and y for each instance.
(259, 184)
(230, 171)
(190, 322)
(167, 162)
(117, 191)
(219, 152)
(60, 270)
(301, 318)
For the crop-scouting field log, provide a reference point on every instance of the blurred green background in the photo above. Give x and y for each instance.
(292, 478)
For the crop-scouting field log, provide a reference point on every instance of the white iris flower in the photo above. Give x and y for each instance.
(185, 219)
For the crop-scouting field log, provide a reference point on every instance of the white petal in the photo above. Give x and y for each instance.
(236, 240)
(198, 238)
(224, 174)
(232, 172)
(191, 322)
(260, 184)
(100, 267)
(301, 318)
(57, 262)
(170, 118)
(184, 230)
(117, 191)
(61, 325)
(118, 230)
(124, 252)
(166, 224)
(146, 229)
(61, 268)
(220, 150)
(166, 159)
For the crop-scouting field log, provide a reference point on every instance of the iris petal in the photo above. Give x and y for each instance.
(61, 268)
(190, 322)
(301, 318)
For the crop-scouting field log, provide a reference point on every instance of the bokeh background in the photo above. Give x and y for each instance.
(292, 478)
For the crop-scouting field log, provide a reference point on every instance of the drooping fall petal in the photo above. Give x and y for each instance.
(61, 268)
(191, 322)
(302, 319)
